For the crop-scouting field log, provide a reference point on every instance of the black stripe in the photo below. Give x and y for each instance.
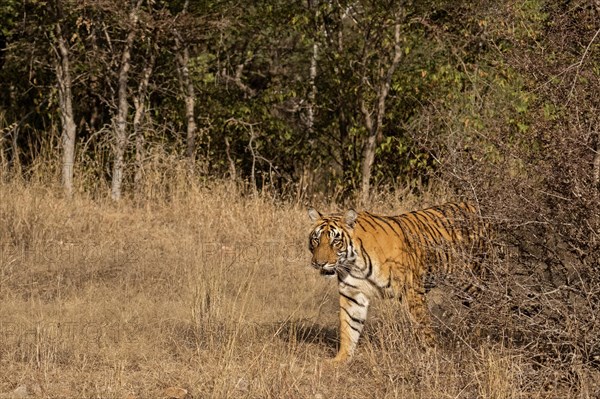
(389, 283)
(363, 219)
(425, 224)
(466, 222)
(443, 209)
(349, 285)
(448, 223)
(379, 226)
(461, 221)
(361, 226)
(354, 319)
(434, 234)
(367, 261)
(381, 288)
(352, 327)
(356, 277)
(385, 220)
(404, 236)
(417, 240)
(438, 220)
(352, 300)
(414, 236)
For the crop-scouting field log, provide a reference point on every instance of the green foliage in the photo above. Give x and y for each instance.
(9, 14)
(251, 67)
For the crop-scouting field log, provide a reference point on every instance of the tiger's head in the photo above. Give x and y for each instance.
(330, 242)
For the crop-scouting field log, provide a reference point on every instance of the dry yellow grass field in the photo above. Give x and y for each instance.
(210, 291)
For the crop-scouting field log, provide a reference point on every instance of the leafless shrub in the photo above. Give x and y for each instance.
(537, 182)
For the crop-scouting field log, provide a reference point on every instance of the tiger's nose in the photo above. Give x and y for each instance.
(318, 264)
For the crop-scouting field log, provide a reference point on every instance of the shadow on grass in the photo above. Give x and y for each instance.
(307, 332)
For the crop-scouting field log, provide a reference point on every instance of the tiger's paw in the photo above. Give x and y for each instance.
(340, 360)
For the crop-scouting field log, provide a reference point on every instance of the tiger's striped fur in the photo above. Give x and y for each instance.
(390, 256)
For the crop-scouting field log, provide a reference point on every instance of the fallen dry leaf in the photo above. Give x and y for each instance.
(176, 393)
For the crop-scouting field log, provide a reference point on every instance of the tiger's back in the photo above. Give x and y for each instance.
(432, 240)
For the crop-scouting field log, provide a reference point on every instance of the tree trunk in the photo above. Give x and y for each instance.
(190, 102)
(13, 161)
(65, 99)
(3, 164)
(120, 120)
(187, 88)
(374, 128)
(368, 158)
(232, 171)
(4, 133)
(310, 112)
(139, 102)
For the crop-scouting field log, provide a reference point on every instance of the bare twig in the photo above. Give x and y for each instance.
(580, 63)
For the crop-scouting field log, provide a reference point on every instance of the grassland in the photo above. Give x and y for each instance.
(209, 291)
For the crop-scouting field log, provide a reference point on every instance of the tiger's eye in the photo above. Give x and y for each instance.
(337, 243)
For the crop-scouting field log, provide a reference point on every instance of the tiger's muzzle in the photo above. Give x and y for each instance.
(326, 269)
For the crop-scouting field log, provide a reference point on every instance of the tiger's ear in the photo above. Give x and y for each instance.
(313, 214)
(351, 217)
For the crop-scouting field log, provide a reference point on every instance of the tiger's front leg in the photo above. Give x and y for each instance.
(353, 314)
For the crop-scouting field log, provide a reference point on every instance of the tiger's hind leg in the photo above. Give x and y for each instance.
(471, 280)
(414, 298)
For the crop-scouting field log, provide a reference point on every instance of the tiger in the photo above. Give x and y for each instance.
(391, 256)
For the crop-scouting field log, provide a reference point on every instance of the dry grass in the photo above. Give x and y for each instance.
(210, 291)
